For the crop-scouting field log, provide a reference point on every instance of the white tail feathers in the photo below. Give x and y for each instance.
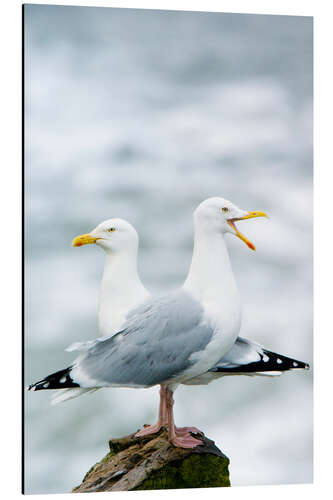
(65, 394)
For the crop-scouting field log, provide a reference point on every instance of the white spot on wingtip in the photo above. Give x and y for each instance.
(279, 361)
(62, 380)
(46, 385)
(295, 364)
(265, 358)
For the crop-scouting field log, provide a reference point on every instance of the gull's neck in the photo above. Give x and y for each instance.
(211, 281)
(210, 274)
(121, 290)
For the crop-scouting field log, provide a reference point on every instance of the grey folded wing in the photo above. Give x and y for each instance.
(249, 358)
(155, 345)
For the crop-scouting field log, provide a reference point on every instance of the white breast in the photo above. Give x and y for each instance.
(225, 320)
(113, 309)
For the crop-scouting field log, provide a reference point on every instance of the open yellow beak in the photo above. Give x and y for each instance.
(84, 239)
(250, 215)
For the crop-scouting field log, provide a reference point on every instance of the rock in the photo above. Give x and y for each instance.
(152, 463)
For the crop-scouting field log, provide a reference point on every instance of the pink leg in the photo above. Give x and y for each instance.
(185, 430)
(181, 440)
(163, 410)
(162, 417)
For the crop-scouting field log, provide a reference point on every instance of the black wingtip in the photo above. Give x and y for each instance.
(59, 380)
(298, 365)
(269, 362)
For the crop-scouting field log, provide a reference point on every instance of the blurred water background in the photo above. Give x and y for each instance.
(141, 115)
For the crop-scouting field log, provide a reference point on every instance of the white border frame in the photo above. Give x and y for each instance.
(10, 210)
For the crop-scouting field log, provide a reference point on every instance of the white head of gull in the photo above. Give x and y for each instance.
(121, 288)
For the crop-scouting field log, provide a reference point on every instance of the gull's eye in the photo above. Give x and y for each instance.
(111, 229)
(225, 209)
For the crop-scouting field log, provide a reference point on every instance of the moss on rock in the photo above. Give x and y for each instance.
(195, 471)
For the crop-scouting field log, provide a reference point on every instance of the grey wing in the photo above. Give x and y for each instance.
(242, 353)
(248, 358)
(155, 345)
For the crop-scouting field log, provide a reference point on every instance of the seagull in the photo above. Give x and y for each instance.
(121, 288)
(179, 337)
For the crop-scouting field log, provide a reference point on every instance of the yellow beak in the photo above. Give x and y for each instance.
(84, 239)
(250, 215)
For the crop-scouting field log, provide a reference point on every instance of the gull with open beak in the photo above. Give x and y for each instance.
(248, 215)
